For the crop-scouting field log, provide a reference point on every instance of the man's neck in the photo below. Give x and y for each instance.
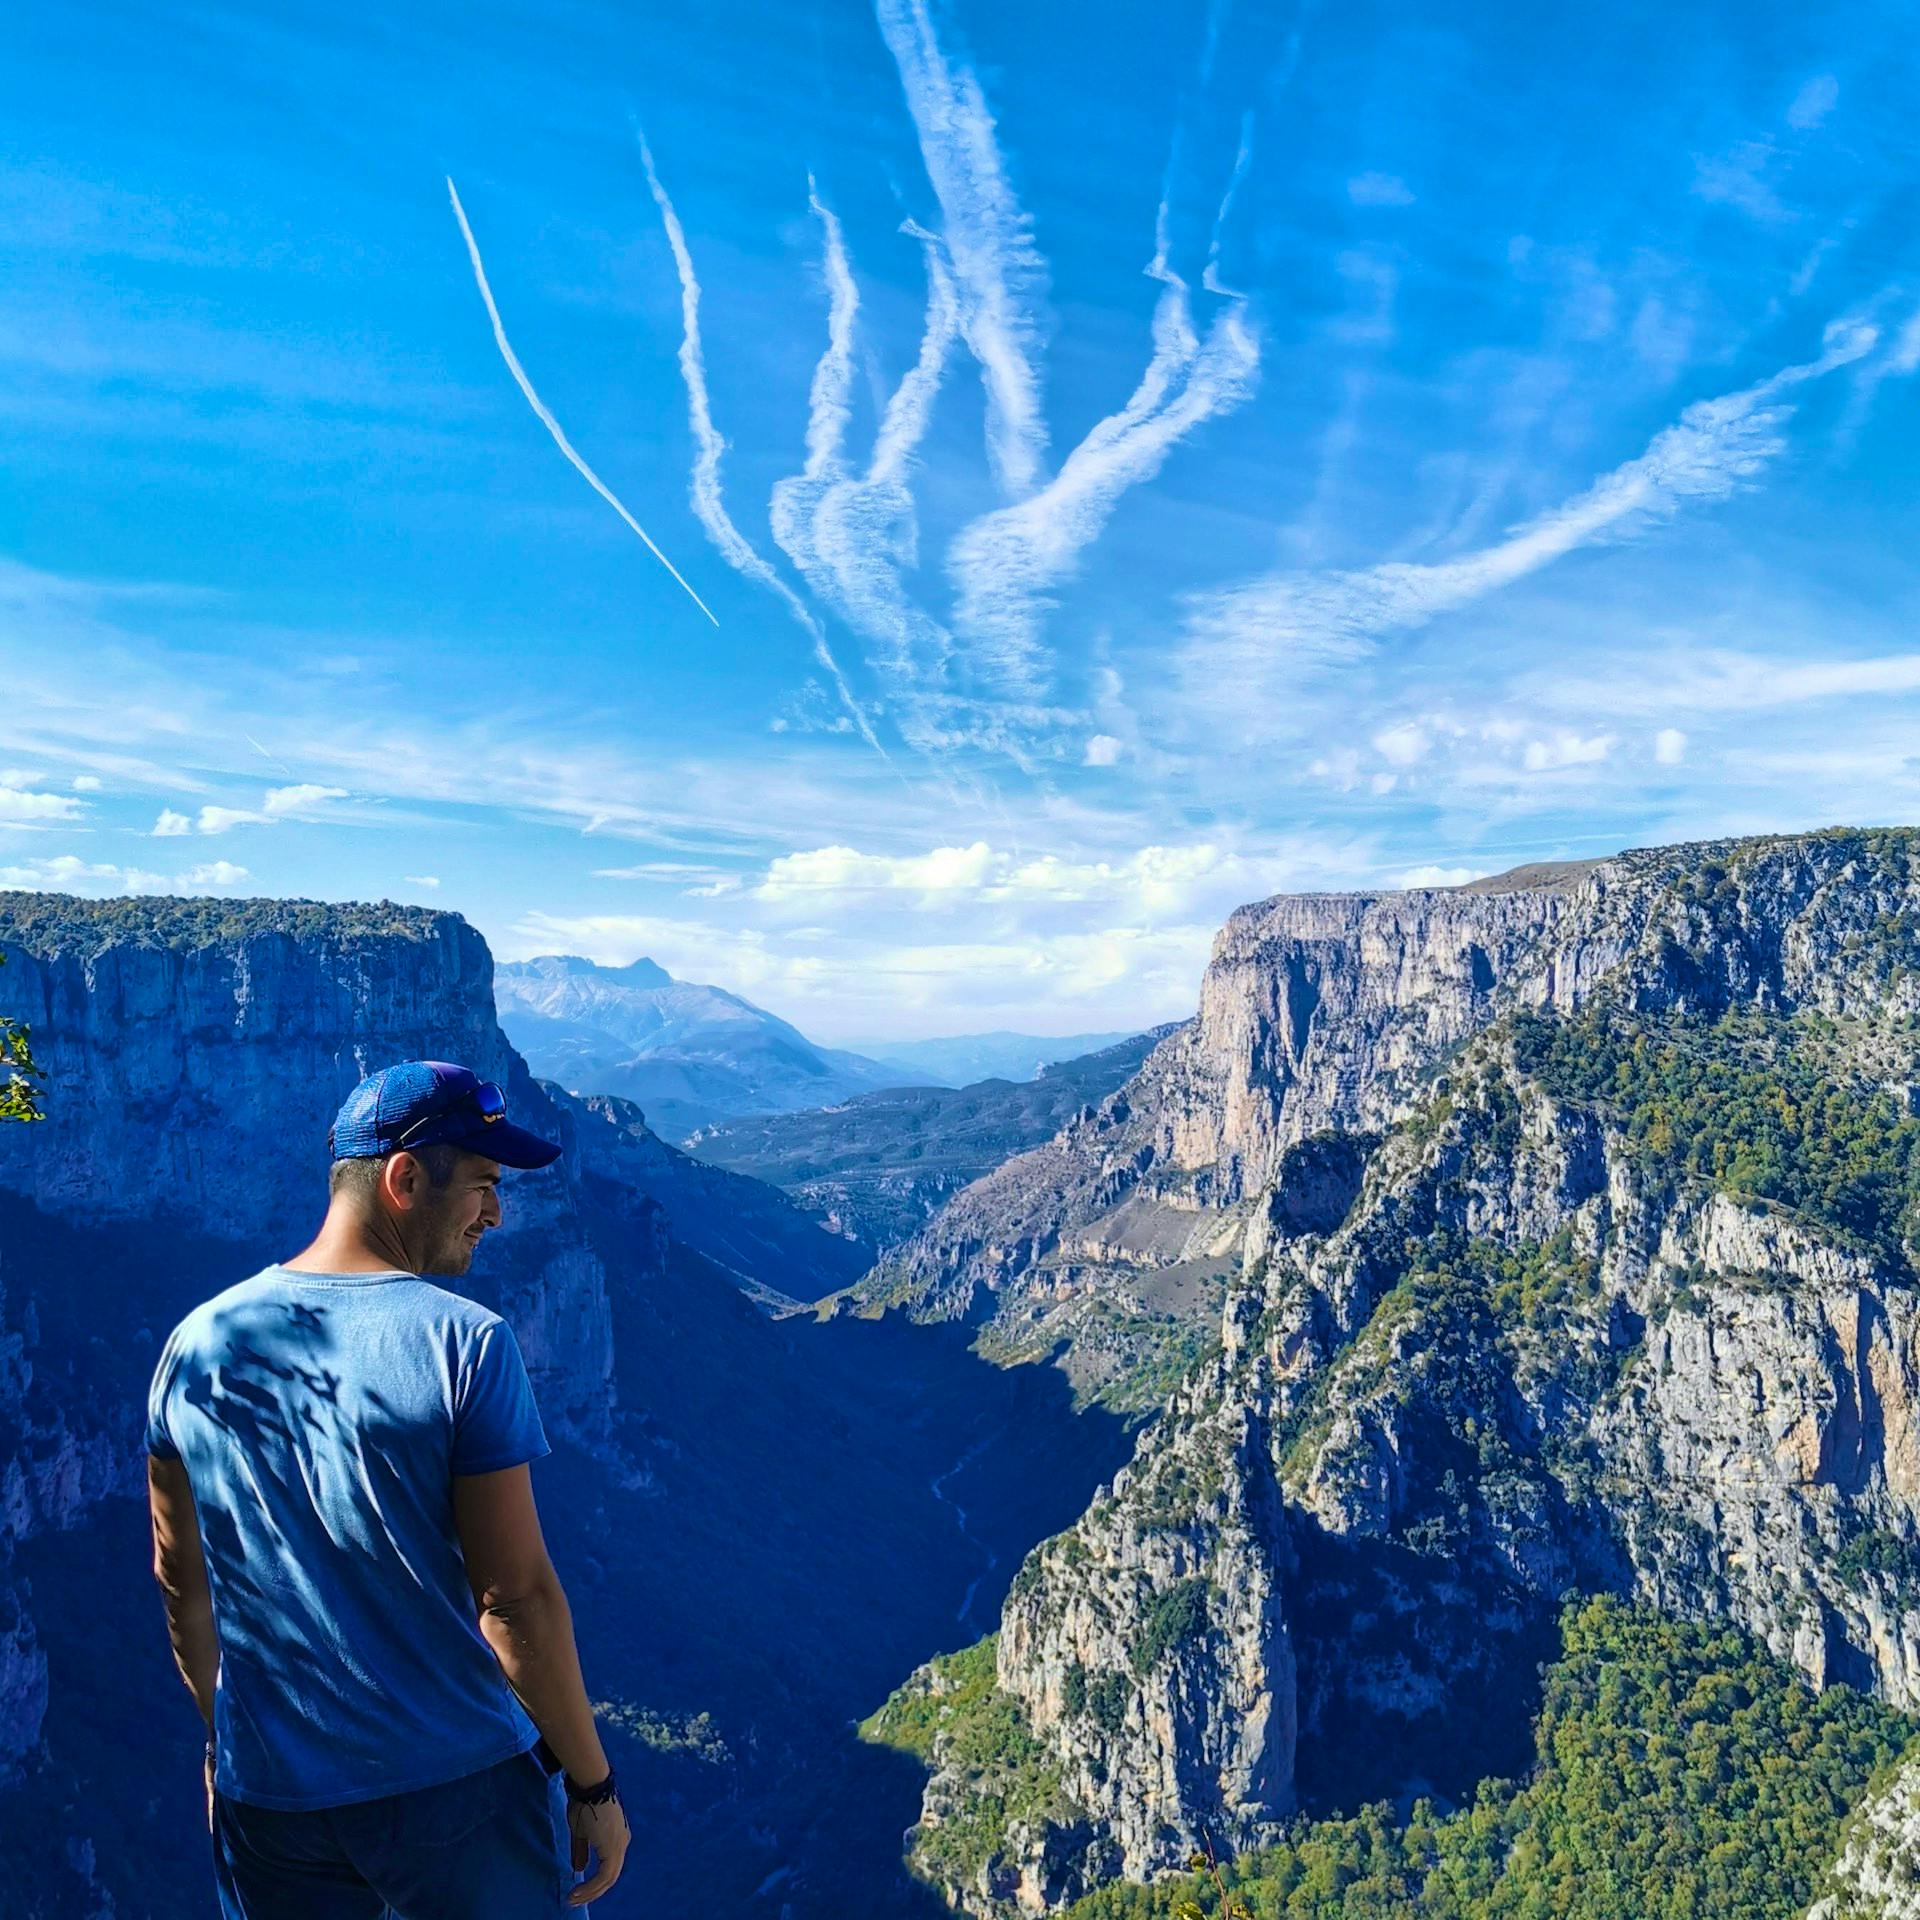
(348, 1243)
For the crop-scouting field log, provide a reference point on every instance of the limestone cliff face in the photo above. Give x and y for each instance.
(1542, 1346)
(1317, 1012)
(196, 1059)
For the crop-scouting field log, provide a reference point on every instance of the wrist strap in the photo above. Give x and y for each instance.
(579, 1796)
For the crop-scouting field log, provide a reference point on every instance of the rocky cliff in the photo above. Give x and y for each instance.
(1612, 1286)
(1317, 1012)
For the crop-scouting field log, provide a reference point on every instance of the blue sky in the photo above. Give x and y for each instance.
(1125, 461)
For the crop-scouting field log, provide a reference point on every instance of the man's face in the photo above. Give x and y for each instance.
(449, 1220)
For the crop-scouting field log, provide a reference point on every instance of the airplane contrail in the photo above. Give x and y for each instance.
(539, 406)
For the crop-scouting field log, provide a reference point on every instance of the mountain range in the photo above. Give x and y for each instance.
(878, 1166)
(689, 1054)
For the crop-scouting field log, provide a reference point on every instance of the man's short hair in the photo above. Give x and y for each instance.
(362, 1176)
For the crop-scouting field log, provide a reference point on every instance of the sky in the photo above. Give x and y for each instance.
(913, 512)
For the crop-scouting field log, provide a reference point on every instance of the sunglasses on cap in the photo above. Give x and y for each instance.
(486, 1100)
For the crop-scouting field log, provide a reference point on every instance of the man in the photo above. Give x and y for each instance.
(357, 1590)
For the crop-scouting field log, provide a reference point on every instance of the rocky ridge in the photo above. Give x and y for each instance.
(1646, 1329)
(1317, 1013)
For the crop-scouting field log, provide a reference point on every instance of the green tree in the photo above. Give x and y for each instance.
(19, 1095)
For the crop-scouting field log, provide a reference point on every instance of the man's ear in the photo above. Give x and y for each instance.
(401, 1182)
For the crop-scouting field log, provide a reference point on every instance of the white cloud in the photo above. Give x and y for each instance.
(1155, 878)
(1403, 745)
(1103, 750)
(427, 880)
(997, 269)
(297, 802)
(1437, 877)
(224, 819)
(1813, 102)
(283, 802)
(1669, 746)
(212, 873)
(23, 805)
(171, 825)
(87, 783)
(68, 873)
(1240, 637)
(1567, 749)
(1379, 190)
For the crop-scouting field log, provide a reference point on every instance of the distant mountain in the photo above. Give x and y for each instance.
(965, 1059)
(877, 1167)
(686, 1054)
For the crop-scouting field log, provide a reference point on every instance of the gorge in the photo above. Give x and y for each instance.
(1490, 1288)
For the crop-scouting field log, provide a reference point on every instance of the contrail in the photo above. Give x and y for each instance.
(795, 501)
(709, 446)
(1006, 565)
(1301, 620)
(1210, 278)
(863, 533)
(997, 269)
(539, 407)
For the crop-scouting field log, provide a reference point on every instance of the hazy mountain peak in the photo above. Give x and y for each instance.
(687, 1052)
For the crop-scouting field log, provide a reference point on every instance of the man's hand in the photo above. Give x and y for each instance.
(604, 1831)
(209, 1789)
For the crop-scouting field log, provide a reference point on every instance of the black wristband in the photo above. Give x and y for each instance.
(579, 1796)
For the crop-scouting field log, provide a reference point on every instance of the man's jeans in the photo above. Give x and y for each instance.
(489, 1846)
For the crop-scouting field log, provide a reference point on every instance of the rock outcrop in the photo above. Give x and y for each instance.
(1877, 1876)
(1625, 1298)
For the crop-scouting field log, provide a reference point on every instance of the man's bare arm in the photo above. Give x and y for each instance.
(524, 1614)
(180, 1566)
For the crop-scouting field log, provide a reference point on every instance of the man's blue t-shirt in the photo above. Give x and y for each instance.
(322, 1418)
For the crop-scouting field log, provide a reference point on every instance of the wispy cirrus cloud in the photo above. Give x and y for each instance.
(1293, 620)
(709, 448)
(1007, 564)
(865, 533)
(1242, 162)
(796, 499)
(998, 270)
(544, 415)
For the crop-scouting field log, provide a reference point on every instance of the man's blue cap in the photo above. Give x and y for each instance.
(432, 1103)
